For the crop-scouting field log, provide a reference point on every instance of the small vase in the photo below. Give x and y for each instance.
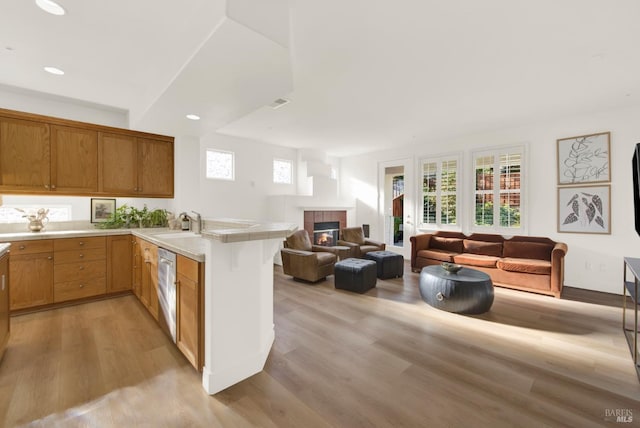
(36, 225)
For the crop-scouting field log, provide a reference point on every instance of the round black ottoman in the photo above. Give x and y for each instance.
(467, 291)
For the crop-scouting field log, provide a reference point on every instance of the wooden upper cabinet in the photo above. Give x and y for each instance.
(136, 166)
(74, 160)
(24, 155)
(42, 155)
(155, 172)
(118, 168)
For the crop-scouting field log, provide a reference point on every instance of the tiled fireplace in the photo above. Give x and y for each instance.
(324, 226)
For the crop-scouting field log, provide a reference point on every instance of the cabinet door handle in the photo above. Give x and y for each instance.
(81, 285)
(81, 256)
(46, 186)
(81, 243)
(21, 247)
(3, 282)
(81, 267)
(53, 186)
(49, 258)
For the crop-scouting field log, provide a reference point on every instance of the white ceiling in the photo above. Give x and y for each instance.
(361, 74)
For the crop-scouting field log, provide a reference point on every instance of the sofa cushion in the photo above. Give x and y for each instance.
(483, 247)
(535, 266)
(442, 255)
(476, 260)
(353, 234)
(528, 250)
(453, 245)
(299, 241)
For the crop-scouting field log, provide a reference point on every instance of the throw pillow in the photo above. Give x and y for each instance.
(483, 248)
(528, 250)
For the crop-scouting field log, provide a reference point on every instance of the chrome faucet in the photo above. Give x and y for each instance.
(196, 222)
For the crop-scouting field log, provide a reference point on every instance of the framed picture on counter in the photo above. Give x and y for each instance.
(101, 209)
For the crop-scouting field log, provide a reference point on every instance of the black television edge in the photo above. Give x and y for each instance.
(636, 186)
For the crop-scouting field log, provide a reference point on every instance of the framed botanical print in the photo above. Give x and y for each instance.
(584, 159)
(584, 209)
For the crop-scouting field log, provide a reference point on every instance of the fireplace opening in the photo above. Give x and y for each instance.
(326, 233)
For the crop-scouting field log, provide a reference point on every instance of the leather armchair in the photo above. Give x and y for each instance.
(304, 261)
(353, 237)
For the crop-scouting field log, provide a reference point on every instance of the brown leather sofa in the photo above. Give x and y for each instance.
(304, 261)
(527, 263)
(353, 237)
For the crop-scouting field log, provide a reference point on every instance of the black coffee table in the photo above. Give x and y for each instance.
(467, 291)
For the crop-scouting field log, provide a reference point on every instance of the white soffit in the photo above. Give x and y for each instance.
(243, 65)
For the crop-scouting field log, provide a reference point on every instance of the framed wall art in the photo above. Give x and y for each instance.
(584, 209)
(584, 159)
(101, 209)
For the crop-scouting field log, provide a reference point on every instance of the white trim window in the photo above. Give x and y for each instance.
(220, 165)
(282, 171)
(10, 213)
(440, 192)
(505, 186)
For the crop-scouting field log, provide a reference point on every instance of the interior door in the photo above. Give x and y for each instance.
(395, 204)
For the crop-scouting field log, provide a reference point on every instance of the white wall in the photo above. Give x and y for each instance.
(247, 196)
(186, 175)
(594, 261)
(51, 105)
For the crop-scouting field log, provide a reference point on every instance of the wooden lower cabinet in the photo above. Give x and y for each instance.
(136, 267)
(79, 268)
(4, 303)
(119, 263)
(50, 271)
(189, 331)
(31, 272)
(149, 277)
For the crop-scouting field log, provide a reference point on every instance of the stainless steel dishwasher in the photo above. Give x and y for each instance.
(167, 291)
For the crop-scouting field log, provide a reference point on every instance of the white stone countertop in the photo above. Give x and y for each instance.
(186, 243)
(4, 248)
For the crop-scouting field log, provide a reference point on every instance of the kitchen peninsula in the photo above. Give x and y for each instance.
(237, 263)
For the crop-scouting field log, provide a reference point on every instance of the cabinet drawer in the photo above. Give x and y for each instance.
(79, 243)
(73, 256)
(72, 290)
(80, 271)
(188, 268)
(31, 247)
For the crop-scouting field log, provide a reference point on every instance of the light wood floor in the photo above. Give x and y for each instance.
(383, 359)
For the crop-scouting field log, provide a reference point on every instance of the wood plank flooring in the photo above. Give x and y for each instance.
(382, 359)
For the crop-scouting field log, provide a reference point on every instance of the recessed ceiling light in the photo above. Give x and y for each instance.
(51, 7)
(193, 117)
(54, 70)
